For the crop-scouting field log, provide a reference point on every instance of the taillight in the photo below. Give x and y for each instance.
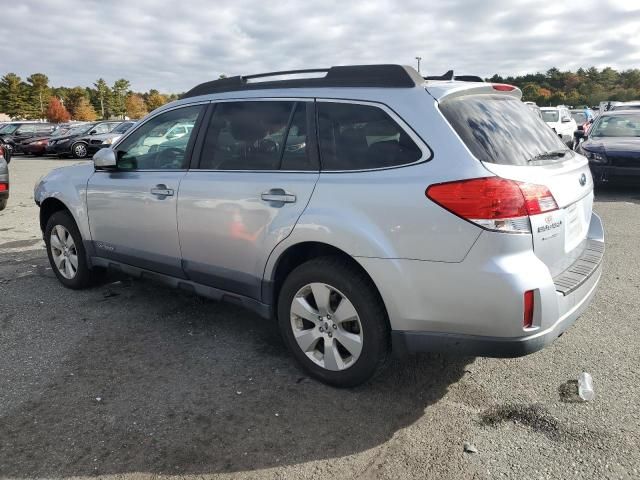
(4, 187)
(494, 203)
(528, 309)
(503, 87)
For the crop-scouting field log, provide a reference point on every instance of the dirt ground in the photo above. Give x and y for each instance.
(134, 380)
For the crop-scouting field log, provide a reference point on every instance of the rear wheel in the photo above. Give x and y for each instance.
(66, 252)
(333, 322)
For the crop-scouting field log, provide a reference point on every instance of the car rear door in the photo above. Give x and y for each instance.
(132, 209)
(254, 175)
(515, 145)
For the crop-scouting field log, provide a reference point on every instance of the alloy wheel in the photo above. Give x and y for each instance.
(64, 252)
(326, 326)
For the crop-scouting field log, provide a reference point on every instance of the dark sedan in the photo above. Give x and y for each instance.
(14, 134)
(38, 145)
(613, 146)
(73, 142)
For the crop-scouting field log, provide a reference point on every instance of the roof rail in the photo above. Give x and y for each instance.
(460, 78)
(380, 76)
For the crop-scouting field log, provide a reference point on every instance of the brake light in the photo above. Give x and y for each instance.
(4, 187)
(494, 203)
(503, 87)
(528, 309)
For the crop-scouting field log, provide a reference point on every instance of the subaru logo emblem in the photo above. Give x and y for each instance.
(583, 179)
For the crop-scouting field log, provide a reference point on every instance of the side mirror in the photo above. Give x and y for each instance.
(105, 158)
(92, 132)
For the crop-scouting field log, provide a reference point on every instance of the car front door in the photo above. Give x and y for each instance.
(132, 209)
(257, 169)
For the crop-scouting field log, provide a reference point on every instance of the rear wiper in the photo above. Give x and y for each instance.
(548, 155)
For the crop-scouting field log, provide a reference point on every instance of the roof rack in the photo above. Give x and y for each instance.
(380, 76)
(460, 78)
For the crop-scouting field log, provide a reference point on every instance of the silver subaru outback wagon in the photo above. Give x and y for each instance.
(366, 210)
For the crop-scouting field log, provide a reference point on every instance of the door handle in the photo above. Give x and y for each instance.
(278, 195)
(162, 191)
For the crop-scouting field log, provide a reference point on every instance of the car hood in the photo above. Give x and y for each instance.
(618, 146)
(66, 137)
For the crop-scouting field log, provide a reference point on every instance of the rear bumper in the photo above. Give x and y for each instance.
(404, 342)
(475, 307)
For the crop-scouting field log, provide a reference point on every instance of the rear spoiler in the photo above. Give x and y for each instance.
(450, 76)
(442, 90)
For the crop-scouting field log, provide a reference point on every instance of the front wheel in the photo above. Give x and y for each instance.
(333, 322)
(79, 150)
(66, 252)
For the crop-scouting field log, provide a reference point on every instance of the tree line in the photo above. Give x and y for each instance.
(36, 99)
(582, 87)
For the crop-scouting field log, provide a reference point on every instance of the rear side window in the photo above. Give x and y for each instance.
(500, 129)
(257, 135)
(360, 137)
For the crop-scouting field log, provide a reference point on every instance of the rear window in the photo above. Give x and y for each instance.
(550, 115)
(500, 129)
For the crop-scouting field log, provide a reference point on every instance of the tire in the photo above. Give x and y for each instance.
(365, 336)
(72, 276)
(79, 150)
(3, 203)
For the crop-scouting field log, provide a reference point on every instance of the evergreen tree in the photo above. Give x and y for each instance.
(103, 95)
(118, 97)
(13, 96)
(39, 97)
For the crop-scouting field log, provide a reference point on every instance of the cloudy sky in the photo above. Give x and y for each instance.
(173, 45)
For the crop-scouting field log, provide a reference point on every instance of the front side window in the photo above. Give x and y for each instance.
(250, 135)
(359, 137)
(26, 129)
(153, 147)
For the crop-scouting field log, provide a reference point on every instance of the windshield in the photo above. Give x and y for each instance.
(635, 106)
(617, 126)
(79, 130)
(550, 115)
(501, 129)
(10, 128)
(122, 128)
(579, 117)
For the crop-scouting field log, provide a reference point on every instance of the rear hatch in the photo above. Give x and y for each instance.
(513, 143)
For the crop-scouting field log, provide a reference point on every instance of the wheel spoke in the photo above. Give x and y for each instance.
(55, 242)
(350, 341)
(69, 240)
(61, 233)
(58, 259)
(332, 358)
(68, 268)
(321, 296)
(301, 308)
(345, 311)
(307, 339)
(73, 259)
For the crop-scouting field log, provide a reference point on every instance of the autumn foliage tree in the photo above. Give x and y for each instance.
(84, 111)
(56, 112)
(135, 106)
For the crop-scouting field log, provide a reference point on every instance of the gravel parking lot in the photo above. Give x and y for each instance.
(132, 380)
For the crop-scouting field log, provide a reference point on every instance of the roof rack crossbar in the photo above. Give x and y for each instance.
(380, 76)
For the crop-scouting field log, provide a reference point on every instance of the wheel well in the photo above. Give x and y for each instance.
(48, 208)
(297, 255)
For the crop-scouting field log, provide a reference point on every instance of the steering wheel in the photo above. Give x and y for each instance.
(266, 145)
(169, 158)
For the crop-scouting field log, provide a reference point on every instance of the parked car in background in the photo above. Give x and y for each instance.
(560, 121)
(613, 146)
(74, 142)
(4, 181)
(16, 133)
(366, 211)
(534, 108)
(38, 145)
(625, 106)
(96, 142)
(583, 121)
